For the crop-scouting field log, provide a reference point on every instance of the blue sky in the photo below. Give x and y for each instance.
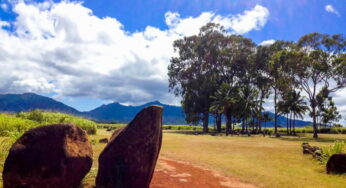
(93, 52)
(288, 19)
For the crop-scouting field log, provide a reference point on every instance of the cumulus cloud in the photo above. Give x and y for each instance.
(253, 19)
(331, 9)
(64, 48)
(267, 42)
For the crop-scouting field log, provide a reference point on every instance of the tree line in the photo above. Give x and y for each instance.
(229, 76)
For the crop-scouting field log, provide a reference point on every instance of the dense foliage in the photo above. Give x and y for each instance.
(229, 75)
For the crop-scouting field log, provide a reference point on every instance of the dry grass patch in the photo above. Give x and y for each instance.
(266, 162)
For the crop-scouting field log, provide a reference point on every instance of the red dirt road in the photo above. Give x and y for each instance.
(174, 174)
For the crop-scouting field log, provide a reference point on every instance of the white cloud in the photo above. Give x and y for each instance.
(331, 9)
(63, 48)
(4, 6)
(253, 19)
(267, 42)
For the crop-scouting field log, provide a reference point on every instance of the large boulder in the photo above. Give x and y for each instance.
(129, 159)
(52, 156)
(337, 164)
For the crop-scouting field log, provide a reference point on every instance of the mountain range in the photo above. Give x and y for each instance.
(113, 112)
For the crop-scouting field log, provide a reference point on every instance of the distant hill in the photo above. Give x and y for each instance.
(121, 113)
(30, 101)
(282, 121)
(113, 112)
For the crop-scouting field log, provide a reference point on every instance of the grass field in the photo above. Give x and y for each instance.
(266, 162)
(263, 161)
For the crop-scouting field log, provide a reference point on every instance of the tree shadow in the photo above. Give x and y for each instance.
(308, 139)
(211, 133)
(298, 138)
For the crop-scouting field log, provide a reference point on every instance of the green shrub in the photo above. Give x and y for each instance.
(327, 152)
(35, 115)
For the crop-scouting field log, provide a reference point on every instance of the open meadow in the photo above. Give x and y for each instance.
(262, 161)
(256, 160)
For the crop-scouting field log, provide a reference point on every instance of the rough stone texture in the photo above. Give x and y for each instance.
(129, 159)
(103, 140)
(306, 148)
(337, 164)
(313, 150)
(52, 156)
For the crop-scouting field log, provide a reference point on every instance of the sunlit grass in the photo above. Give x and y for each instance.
(263, 161)
(22, 122)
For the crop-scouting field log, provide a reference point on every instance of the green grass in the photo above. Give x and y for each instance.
(23, 121)
(263, 161)
(10, 123)
(281, 130)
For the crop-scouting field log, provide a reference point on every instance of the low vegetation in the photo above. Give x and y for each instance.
(282, 163)
(328, 151)
(23, 121)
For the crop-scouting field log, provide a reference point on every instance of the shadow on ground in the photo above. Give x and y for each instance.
(298, 137)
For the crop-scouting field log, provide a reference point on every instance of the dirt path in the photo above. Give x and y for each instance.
(175, 174)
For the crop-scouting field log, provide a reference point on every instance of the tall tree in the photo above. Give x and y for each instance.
(275, 71)
(323, 66)
(193, 74)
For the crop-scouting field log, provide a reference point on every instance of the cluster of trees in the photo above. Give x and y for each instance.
(229, 75)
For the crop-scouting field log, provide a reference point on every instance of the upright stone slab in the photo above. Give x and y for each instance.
(129, 159)
(337, 164)
(52, 156)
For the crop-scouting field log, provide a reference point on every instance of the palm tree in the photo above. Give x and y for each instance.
(298, 107)
(257, 112)
(283, 109)
(223, 102)
(248, 100)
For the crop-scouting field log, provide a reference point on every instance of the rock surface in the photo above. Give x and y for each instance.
(52, 156)
(308, 149)
(337, 164)
(103, 140)
(129, 159)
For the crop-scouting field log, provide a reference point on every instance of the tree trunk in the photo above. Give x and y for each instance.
(276, 113)
(294, 124)
(287, 124)
(228, 124)
(231, 124)
(218, 122)
(314, 124)
(205, 121)
(291, 123)
(243, 126)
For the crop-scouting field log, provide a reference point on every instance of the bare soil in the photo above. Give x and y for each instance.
(176, 174)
